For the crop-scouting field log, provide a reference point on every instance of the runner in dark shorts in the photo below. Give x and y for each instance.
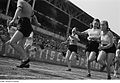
(107, 48)
(72, 47)
(24, 26)
(93, 43)
(25, 14)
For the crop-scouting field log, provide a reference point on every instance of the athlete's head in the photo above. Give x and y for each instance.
(104, 25)
(96, 23)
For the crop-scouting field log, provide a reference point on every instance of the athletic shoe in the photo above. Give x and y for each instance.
(88, 75)
(109, 77)
(68, 70)
(25, 66)
(23, 63)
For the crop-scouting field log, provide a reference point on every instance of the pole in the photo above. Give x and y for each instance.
(7, 8)
(33, 5)
(69, 23)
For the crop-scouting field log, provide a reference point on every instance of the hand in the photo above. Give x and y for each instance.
(100, 47)
(39, 24)
(62, 43)
(11, 23)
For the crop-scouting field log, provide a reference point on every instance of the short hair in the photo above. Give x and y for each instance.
(97, 20)
(106, 22)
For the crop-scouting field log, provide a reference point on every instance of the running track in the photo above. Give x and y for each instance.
(43, 71)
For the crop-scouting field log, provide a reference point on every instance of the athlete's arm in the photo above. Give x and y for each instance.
(66, 42)
(19, 9)
(17, 12)
(35, 21)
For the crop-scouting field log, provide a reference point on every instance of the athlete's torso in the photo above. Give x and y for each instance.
(94, 33)
(105, 39)
(73, 39)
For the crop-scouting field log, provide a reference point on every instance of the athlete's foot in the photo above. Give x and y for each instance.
(88, 75)
(24, 64)
(109, 77)
(68, 70)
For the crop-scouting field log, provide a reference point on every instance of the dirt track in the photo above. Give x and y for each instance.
(43, 71)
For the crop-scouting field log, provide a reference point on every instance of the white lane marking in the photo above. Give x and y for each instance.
(16, 76)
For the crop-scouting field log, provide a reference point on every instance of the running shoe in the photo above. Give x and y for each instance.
(24, 64)
(88, 75)
(68, 70)
(109, 77)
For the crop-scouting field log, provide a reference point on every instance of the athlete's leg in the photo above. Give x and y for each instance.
(109, 60)
(22, 43)
(91, 58)
(101, 59)
(117, 62)
(71, 58)
(67, 59)
(13, 42)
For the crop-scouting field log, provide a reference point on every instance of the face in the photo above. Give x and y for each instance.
(103, 26)
(95, 24)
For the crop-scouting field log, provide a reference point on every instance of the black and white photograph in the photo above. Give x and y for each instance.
(59, 40)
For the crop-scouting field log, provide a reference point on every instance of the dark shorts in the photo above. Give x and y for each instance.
(72, 48)
(110, 50)
(24, 26)
(92, 46)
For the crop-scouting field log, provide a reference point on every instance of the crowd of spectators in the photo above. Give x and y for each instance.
(48, 42)
(40, 39)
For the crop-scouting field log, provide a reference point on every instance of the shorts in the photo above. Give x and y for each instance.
(111, 49)
(92, 46)
(24, 26)
(72, 48)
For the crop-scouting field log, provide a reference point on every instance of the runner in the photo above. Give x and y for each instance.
(25, 14)
(92, 47)
(72, 47)
(107, 48)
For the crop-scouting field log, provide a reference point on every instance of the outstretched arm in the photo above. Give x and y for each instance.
(35, 21)
(17, 12)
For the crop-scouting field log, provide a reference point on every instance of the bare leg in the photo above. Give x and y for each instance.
(13, 42)
(67, 59)
(22, 43)
(101, 60)
(71, 58)
(117, 62)
(92, 57)
(109, 60)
